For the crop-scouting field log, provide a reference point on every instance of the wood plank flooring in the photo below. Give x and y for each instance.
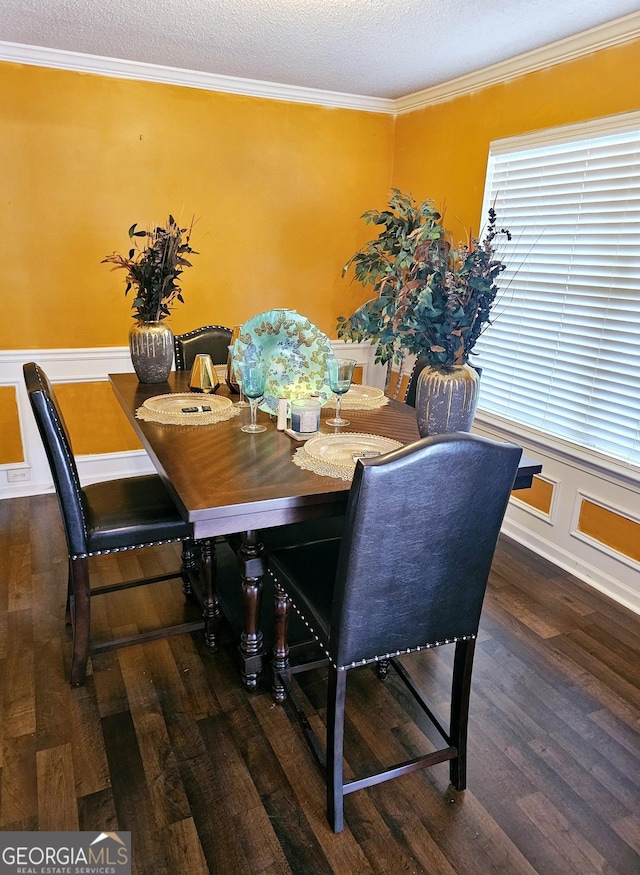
(165, 742)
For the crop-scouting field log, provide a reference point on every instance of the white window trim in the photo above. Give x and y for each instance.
(615, 124)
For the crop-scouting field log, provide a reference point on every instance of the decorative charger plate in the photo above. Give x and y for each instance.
(361, 398)
(294, 352)
(363, 393)
(175, 404)
(343, 450)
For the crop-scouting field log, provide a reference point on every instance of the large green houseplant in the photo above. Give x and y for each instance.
(431, 299)
(153, 270)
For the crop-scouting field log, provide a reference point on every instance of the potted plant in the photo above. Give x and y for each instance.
(153, 271)
(431, 300)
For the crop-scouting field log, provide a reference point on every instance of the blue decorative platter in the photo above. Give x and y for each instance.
(294, 351)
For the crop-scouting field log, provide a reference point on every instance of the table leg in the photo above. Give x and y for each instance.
(188, 566)
(210, 605)
(252, 567)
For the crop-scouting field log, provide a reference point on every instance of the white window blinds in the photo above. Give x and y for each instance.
(563, 352)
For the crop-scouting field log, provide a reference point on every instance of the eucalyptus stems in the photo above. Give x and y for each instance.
(431, 299)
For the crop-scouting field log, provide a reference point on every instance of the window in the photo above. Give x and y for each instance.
(563, 352)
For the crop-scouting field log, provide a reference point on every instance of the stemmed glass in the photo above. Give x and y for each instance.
(235, 375)
(253, 380)
(340, 373)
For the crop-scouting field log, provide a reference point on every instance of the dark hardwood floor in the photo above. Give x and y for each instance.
(165, 742)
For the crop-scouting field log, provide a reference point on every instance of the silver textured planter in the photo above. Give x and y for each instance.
(446, 398)
(151, 347)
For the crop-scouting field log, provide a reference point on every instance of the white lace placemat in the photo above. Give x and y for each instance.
(335, 455)
(360, 398)
(187, 409)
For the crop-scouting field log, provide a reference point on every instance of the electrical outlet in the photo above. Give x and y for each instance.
(18, 475)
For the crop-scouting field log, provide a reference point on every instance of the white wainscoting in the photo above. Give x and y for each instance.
(574, 474)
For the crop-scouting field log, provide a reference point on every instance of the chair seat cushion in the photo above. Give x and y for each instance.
(307, 574)
(129, 512)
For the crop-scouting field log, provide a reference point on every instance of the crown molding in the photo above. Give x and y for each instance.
(605, 36)
(613, 33)
(121, 69)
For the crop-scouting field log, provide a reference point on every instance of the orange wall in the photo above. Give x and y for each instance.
(610, 528)
(95, 420)
(277, 189)
(441, 151)
(540, 495)
(11, 450)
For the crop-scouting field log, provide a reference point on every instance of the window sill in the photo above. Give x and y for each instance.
(578, 457)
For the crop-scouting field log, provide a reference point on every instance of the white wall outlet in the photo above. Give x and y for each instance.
(18, 475)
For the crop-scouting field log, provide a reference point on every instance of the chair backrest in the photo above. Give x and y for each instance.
(421, 529)
(57, 444)
(410, 395)
(213, 340)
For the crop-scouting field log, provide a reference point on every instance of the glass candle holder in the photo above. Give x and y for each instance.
(305, 415)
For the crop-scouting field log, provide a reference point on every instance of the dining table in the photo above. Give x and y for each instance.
(227, 483)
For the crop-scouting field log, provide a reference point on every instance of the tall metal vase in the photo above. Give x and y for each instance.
(446, 398)
(151, 346)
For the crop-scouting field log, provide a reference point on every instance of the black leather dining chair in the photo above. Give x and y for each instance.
(212, 340)
(408, 574)
(110, 517)
(410, 394)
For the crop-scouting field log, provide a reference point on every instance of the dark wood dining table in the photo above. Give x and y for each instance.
(226, 482)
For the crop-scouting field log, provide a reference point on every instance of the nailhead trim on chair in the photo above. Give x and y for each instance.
(413, 370)
(373, 658)
(63, 441)
(122, 549)
(72, 467)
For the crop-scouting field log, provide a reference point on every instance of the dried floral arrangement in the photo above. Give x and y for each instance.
(154, 270)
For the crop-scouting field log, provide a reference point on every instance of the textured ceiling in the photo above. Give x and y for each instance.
(379, 48)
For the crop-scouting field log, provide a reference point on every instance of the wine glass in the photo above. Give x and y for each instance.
(253, 379)
(234, 376)
(340, 373)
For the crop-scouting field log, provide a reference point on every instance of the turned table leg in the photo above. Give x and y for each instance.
(210, 605)
(251, 566)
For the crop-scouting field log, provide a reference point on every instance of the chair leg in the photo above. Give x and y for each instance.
(80, 609)
(460, 693)
(67, 610)
(335, 747)
(382, 669)
(280, 660)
